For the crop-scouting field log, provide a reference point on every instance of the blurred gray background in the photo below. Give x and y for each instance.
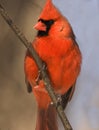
(17, 107)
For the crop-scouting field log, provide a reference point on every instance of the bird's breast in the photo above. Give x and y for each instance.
(63, 59)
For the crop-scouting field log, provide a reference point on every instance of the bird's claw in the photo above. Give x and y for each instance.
(59, 100)
(39, 77)
(44, 67)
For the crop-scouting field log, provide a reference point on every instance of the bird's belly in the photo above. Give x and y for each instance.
(63, 72)
(63, 63)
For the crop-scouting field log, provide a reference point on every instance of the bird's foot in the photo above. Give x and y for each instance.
(59, 100)
(39, 77)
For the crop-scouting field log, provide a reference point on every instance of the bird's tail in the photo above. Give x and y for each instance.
(47, 119)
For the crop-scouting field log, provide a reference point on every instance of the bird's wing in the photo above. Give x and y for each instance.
(29, 88)
(67, 96)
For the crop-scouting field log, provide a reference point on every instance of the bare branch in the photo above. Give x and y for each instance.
(39, 63)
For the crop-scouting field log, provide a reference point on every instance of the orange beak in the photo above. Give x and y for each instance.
(40, 26)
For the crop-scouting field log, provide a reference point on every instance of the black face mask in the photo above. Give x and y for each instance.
(48, 24)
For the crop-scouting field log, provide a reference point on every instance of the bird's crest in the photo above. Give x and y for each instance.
(49, 11)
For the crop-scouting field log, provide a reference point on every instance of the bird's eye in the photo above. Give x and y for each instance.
(51, 22)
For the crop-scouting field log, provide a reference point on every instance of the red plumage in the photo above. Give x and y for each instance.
(56, 45)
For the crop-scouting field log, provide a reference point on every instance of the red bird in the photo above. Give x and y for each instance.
(57, 47)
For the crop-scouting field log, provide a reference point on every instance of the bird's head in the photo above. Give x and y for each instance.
(51, 22)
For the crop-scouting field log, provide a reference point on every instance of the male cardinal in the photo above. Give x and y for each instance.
(56, 45)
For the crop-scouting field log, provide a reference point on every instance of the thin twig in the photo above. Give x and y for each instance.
(39, 62)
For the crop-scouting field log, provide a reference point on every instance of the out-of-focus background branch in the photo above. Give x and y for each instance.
(17, 107)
